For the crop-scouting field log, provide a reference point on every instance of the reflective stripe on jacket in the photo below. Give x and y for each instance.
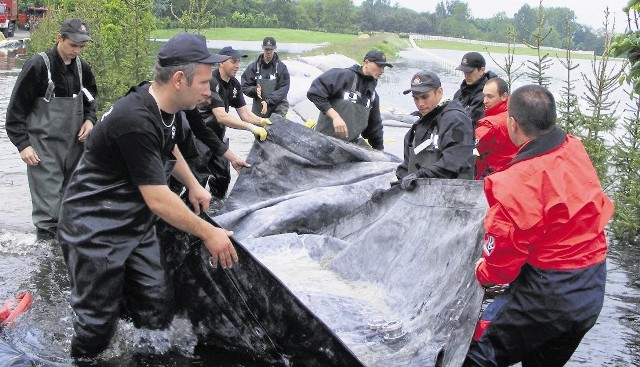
(546, 209)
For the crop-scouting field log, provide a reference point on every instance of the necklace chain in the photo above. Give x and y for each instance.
(173, 118)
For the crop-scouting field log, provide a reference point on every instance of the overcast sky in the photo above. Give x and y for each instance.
(588, 12)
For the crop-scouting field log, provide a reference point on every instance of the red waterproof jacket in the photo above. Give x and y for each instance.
(546, 209)
(493, 142)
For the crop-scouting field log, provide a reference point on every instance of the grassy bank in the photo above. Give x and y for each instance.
(388, 43)
(257, 34)
(347, 44)
(470, 46)
(351, 45)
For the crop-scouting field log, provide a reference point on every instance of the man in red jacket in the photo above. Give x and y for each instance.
(544, 235)
(495, 148)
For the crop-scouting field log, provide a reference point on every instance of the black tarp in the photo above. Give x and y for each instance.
(11, 357)
(303, 212)
(319, 263)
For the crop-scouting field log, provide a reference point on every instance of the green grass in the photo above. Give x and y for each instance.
(349, 45)
(470, 46)
(257, 34)
(388, 43)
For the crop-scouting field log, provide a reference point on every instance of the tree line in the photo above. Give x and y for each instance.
(450, 18)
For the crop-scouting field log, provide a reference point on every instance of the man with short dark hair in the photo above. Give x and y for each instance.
(495, 148)
(49, 116)
(545, 237)
(348, 103)
(226, 92)
(470, 92)
(119, 189)
(267, 80)
(440, 143)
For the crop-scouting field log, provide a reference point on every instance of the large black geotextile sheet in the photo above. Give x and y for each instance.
(321, 263)
(301, 181)
(247, 310)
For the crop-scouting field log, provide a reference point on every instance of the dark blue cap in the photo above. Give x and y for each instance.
(185, 48)
(233, 54)
(76, 29)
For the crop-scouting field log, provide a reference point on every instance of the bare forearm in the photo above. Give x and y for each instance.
(332, 114)
(230, 121)
(182, 172)
(248, 116)
(170, 208)
(235, 160)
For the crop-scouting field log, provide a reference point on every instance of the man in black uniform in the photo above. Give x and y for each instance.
(348, 103)
(440, 144)
(49, 116)
(266, 80)
(118, 190)
(226, 92)
(470, 92)
(209, 147)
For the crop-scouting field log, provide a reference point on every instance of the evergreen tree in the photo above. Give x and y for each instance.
(195, 17)
(626, 162)
(507, 67)
(569, 114)
(537, 68)
(600, 118)
(626, 150)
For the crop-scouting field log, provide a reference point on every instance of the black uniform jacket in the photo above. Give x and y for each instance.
(472, 98)
(332, 85)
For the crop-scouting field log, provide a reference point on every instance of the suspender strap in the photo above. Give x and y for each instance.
(354, 89)
(354, 85)
(50, 87)
(259, 65)
(49, 93)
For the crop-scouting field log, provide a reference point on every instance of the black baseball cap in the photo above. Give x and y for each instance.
(471, 61)
(423, 81)
(185, 48)
(233, 54)
(269, 43)
(378, 57)
(76, 29)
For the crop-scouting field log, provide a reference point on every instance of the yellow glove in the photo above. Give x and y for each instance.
(264, 122)
(259, 132)
(311, 123)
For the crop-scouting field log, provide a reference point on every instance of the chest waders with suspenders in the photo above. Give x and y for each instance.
(53, 127)
(355, 115)
(113, 255)
(267, 86)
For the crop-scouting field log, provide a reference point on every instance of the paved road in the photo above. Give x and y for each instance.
(19, 34)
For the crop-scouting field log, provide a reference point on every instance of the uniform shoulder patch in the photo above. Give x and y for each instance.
(489, 245)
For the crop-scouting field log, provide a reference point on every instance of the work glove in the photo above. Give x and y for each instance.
(264, 122)
(377, 194)
(259, 132)
(311, 123)
(409, 182)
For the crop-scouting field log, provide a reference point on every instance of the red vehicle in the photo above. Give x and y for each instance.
(8, 17)
(33, 16)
